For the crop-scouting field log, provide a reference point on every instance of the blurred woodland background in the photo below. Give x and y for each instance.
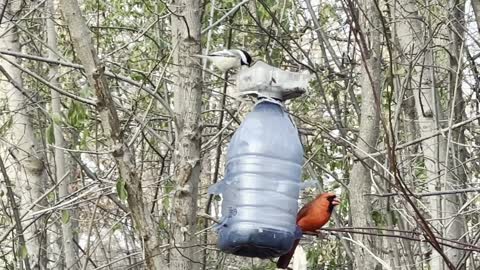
(111, 133)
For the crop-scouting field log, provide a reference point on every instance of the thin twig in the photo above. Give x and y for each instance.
(47, 83)
(225, 16)
(90, 228)
(16, 214)
(427, 194)
(107, 73)
(439, 132)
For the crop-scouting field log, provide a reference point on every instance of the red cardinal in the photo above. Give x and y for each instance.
(310, 218)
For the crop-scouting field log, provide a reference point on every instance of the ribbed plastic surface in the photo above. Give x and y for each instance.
(263, 80)
(261, 185)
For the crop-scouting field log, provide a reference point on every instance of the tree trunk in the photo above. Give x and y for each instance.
(82, 42)
(188, 92)
(455, 224)
(26, 152)
(69, 248)
(369, 132)
(419, 54)
(410, 34)
(476, 11)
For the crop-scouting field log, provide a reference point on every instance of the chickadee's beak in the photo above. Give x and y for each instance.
(336, 201)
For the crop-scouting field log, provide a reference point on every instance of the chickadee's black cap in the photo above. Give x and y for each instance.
(247, 60)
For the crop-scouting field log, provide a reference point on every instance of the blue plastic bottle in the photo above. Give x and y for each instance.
(261, 185)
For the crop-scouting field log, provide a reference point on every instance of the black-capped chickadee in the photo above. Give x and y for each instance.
(228, 59)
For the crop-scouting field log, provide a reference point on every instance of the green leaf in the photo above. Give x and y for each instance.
(50, 134)
(23, 252)
(77, 115)
(65, 216)
(51, 196)
(335, 185)
(169, 188)
(400, 71)
(327, 12)
(378, 218)
(313, 256)
(57, 119)
(117, 227)
(121, 190)
(166, 202)
(3, 221)
(6, 126)
(84, 136)
(162, 225)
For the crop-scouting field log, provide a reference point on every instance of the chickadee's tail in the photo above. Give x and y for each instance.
(201, 56)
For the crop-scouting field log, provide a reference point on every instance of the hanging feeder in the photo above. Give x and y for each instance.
(263, 168)
(261, 185)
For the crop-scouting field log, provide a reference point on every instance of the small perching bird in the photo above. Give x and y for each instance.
(310, 218)
(228, 59)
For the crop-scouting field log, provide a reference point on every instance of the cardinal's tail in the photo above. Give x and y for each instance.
(284, 260)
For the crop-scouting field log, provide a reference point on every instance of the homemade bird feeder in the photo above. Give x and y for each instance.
(263, 169)
(263, 80)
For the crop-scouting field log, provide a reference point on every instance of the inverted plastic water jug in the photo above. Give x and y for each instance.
(261, 185)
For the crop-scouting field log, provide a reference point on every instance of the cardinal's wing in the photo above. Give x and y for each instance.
(304, 211)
